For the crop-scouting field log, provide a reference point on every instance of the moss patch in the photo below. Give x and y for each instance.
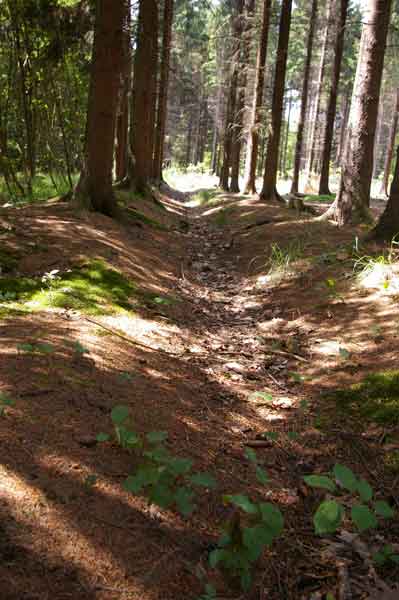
(95, 288)
(376, 398)
(136, 216)
(322, 198)
(8, 260)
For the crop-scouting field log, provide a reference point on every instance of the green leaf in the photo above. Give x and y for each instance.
(320, 481)
(183, 497)
(255, 539)
(328, 517)
(44, 348)
(262, 476)
(119, 414)
(25, 347)
(162, 496)
(156, 437)
(263, 395)
(159, 454)
(133, 484)
(204, 480)
(80, 349)
(365, 490)
(180, 466)
(293, 435)
(346, 477)
(246, 580)
(216, 556)
(363, 518)
(242, 502)
(272, 517)
(102, 437)
(250, 454)
(383, 509)
(130, 438)
(5, 400)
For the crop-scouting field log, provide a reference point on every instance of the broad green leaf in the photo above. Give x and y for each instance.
(133, 484)
(204, 480)
(363, 518)
(180, 466)
(131, 438)
(250, 454)
(261, 475)
(242, 502)
(156, 437)
(271, 435)
(5, 400)
(383, 509)
(320, 481)
(25, 347)
(183, 498)
(119, 414)
(159, 454)
(328, 517)
(102, 437)
(365, 490)
(272, 517)
(162, 496)
(80, 349)
(346, 477)
(255, 539)
(344, 353)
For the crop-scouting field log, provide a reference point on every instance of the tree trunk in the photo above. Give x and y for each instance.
(283, 160)
(390, 148)
(332, 101)
(304, 100)
(388, 224)
(232, 99)
(237, 133)
(163, 89)
(357, 167)
(343, 130)
(256, 117)
(122, 123)
(317, 110)
(94, 188)
(269, 191)
(144, 94)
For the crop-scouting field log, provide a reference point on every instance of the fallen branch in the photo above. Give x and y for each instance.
(284, 353)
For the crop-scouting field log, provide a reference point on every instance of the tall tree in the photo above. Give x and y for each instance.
(357, 165)
(122, 123)
(304, 99)
(94, 188)
(342, 11)
(144, 95)
(255, 116)
(317, 103)
(388, 224)
(391, 145)
(163, 89)
(269, 191)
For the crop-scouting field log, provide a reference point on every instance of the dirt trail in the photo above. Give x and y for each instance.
(213, 351)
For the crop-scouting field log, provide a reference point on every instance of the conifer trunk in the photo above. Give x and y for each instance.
(304, 99)
(255, 118)
(269, 191)
(324, 187)
(390, 148)
(388, 224)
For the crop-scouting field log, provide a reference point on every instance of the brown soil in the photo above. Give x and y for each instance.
(195, 365)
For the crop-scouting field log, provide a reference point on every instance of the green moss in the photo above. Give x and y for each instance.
(204, 197)
(95, 288)
(322, 198)
(223, 215)
(376, 398)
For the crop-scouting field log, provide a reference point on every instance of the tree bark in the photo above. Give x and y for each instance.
(144, 95)
(357, 167)
(237, 133)
(324, 187)
(122, 123)
(390, 148)
(304, 99)
(388, 224)
(269, 190)
(232, 98)
(163, 89)
(255, 118)
(319, 85)
(94, 189)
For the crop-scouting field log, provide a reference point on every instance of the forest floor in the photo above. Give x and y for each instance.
(225, 322)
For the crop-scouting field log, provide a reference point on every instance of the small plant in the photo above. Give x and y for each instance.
(385, 555)
(209, 593)
(250, 529)
(330, 513)
(5, 402)
(165, 480)
(281, 259)
(331, 285)
(50, 279)
(379, 271)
